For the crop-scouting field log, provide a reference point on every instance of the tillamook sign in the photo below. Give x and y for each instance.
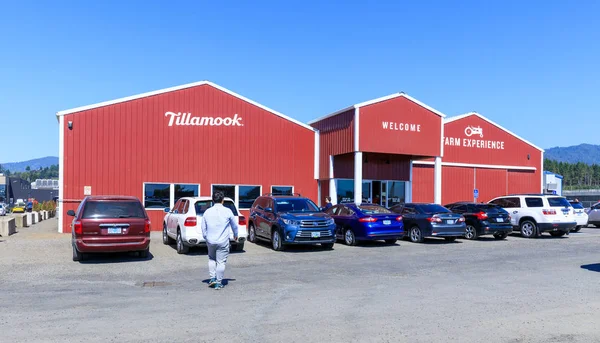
(186, 119)
(476, 131)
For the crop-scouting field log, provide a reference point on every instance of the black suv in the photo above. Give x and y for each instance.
(289, 219)
(483, 219)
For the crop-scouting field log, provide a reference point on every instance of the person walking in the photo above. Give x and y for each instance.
(327, 203)
(216, 222)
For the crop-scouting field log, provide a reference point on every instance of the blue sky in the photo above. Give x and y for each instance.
(533, 67)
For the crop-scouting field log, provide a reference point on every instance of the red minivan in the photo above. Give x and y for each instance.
(109, 224)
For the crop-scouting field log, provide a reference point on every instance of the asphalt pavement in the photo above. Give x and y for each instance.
(516, 290)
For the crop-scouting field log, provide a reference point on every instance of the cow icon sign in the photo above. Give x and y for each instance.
(472, 130)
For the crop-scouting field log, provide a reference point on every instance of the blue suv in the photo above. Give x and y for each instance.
(289, 219)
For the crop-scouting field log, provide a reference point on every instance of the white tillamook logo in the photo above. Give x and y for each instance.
(186, 119)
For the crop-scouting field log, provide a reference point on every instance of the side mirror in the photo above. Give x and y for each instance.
(167, 210)
(269, 209)
(71, 213)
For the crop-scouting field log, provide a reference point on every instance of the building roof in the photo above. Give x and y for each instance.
(459, 117)
(374, 101)
(176, 88)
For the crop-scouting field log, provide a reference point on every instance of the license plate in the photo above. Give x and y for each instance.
(450, 221)
(500, 220)
(315, 234)
(387, 222)
(114, 230)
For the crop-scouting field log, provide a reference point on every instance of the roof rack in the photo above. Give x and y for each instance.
(282, 194)
(533, 194)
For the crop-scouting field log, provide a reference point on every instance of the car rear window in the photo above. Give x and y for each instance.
(113, 209)
(432, 208)
(489, 208)
(534, 202)
(577, 205)
(203, 205)
(373, 209)
(558, 202)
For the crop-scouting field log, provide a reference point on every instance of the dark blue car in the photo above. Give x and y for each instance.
(366, 222)
(430, 220)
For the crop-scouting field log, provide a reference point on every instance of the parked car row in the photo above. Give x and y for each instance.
(120, 224)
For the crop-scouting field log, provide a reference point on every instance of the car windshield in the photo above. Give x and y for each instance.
(203, 205)
(373, 209)
(558, 202)
(577, 205)
(432, 209)
(113, 209)
(296, 205)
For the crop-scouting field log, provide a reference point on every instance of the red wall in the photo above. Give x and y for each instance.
(373, 137)
(457, 184)
(116, 148)
(422, 188)
(375, 167)
(523, 182)
(336, 136)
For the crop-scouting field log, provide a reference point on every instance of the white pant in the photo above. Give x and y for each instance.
(217, 258)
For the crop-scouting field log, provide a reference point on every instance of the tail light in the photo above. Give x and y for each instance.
(434, 219)
(147, 226)
(550, 212)
(190, 221)
(241, 220)
(399, 218)
(482, 215)
(367, 220)
(462, 219)
(78, 227)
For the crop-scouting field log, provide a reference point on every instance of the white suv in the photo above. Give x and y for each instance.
(182, 224)
(532, 214)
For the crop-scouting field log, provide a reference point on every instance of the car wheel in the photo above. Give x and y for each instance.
(471, 232)
(576, 229)
(145, 253)
(500, 236)
(416, 236)
(327, 246)
(165, 237)
(239, 247)
(276, 241)
(252, 234)
(77, 256)
(528, 229)
(557, 234)
(181, 248)
(391, 241)
(450, 239)
(349, 237)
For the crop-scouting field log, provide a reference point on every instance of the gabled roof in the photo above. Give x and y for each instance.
(383, 98)
(462, 116)
(176, 88)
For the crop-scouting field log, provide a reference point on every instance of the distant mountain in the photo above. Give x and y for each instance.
(33, 164)
(586, 153)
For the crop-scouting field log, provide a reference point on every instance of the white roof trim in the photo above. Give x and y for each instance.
(474, 165)
(176, 88)
(383, 98)
(462, 116)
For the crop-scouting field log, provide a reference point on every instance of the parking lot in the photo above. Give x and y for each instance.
(517, 290)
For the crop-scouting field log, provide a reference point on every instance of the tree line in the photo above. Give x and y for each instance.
(33, 174)
(575, 175)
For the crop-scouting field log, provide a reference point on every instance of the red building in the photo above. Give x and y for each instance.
(198, 138)
(182, 141)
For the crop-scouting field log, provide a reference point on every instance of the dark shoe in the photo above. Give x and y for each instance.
(218, 285)
(212, 282)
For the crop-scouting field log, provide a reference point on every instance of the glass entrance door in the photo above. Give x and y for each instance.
(377, 192)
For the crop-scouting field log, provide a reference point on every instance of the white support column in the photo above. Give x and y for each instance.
(332, 188)
(437, 181)
(358, 163)
(409, 185)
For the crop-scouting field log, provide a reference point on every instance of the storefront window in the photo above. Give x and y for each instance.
(282, 190)
(345, 191)
(228, 190)
(247, 196)
(366, 192)
(183, 190)
(397, 193)
(157, 195)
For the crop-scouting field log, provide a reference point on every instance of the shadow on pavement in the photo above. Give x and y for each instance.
(594, 267)
(114, 258)
(295, 248)
(225, 281)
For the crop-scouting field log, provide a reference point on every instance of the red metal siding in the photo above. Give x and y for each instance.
(398, 112)
(375, 167)
(457, 184)
(336, 137)
(116, 148)
(422, 188)
(491, 183)
(521, 181)
(510, 151)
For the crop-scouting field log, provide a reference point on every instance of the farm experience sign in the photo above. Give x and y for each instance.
(474, 139)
